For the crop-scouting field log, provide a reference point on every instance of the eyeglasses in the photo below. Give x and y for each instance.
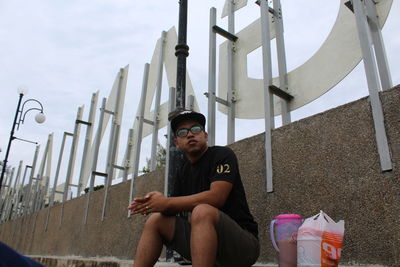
(183, 132)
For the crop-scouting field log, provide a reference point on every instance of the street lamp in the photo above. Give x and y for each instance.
(18, 120)
(181, 52)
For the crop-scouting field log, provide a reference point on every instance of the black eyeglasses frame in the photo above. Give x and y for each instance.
(189, 129)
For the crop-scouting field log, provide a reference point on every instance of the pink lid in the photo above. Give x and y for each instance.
(288, 217)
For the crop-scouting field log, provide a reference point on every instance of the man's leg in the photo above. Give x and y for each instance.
(236, 246)
(204, 241)
(157, 230)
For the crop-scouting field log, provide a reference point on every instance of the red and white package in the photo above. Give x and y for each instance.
(319, 241)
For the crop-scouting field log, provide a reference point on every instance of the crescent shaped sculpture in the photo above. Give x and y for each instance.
(334, 60)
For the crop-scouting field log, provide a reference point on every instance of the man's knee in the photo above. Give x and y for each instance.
(156, 219)
(204, 213)
(164, 225)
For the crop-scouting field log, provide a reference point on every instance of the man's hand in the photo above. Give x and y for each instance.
(156, 202)
(151, 202)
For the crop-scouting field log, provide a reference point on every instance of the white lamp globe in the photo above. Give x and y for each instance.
(40, 117)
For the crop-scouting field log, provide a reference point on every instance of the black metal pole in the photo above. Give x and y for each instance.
(181, 52)
(9, 142)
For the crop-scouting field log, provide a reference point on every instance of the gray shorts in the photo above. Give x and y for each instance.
(236, 246)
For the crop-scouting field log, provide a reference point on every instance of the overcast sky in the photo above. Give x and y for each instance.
(63, 51)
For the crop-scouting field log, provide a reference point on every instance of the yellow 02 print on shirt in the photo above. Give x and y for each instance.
(223, 168)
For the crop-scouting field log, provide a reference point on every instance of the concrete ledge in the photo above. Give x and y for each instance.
(73, 261)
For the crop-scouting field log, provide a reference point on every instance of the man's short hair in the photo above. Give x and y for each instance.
(184, 115)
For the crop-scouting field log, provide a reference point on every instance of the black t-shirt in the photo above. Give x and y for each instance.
(217, 164)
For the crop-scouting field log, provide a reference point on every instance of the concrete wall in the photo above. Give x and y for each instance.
(328, 161)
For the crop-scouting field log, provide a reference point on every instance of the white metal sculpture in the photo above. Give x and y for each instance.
(341, 50)
(164, 55)
(110, 105)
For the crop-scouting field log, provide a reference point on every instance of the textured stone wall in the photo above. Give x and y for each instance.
(325, 162)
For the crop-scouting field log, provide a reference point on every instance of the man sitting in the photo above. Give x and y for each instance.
(221, 230)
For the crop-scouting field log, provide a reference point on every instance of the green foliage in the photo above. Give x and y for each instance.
(161, 157)
(8, 168)
(97, 187)
(145, 169)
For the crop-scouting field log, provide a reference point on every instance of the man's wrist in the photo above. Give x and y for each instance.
(168, 207)
(167, 204)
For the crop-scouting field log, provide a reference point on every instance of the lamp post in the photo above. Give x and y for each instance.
(19, 119)
(181, 53)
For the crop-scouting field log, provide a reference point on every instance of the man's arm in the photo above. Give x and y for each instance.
(157, 202)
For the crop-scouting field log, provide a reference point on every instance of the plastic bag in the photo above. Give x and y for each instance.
(319, 241)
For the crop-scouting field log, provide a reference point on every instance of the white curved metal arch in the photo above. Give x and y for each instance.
(333, 61)
(170, 68)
